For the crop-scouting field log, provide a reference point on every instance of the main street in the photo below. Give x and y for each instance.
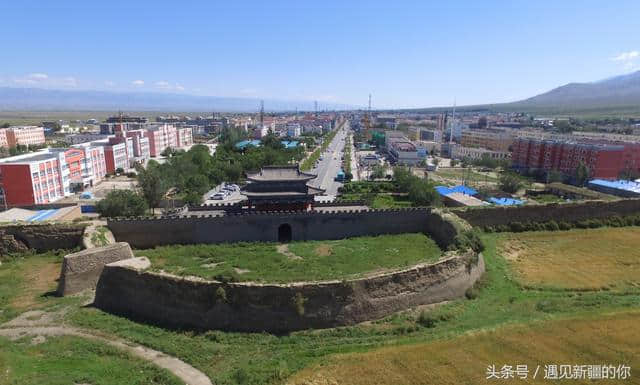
(331, 163)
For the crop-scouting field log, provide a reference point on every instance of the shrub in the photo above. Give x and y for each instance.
(221, 294)
(552, 226)
(122, 203)
(298, 303)
(469, 240)
(426, 319)
(471, 293)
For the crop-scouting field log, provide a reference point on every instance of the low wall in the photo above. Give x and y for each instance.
(265, 227)
(81, 270)
(41, 237)
(559, 212)
(199, 304)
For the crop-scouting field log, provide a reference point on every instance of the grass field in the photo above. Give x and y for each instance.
(464, 360)
(499, 300)
(456, 175)
(72, 360)
(297, 261)
(28, 283)
(576, 259)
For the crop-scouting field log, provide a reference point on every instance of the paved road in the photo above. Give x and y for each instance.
(331, 163)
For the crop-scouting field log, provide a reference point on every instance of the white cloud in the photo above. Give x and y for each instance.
(626, 56)
(38, 76)
(34, 78)
(628, 60)
(165, 85)
(138, 82)
(69, 81)
(109, 83)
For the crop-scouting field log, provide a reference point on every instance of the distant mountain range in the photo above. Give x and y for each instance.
(619, 94)
(619, 91)
(38, 99)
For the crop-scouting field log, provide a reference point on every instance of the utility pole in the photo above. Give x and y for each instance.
(261, 114)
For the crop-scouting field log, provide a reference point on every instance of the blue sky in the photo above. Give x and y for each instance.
(405, 53)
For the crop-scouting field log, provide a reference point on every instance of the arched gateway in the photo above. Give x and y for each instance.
(284, 233)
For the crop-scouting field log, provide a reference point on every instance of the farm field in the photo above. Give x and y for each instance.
(296, 261)
(578, 259)
(611, 339)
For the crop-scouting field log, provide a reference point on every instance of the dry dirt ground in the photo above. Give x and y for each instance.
(576, 259)
(613, 339)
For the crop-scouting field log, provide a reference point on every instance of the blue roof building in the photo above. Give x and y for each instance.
(623, 188)
(444, 191)
(505, 201)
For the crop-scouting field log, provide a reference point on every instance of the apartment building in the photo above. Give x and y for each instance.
(161, 137)
(140, 144)
(184, 136)
(605, 160)
(500, 141)
(462, 152)
(22, 135)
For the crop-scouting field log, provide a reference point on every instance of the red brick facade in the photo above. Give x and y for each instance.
(604, 160)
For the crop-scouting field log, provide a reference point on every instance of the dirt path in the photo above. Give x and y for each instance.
(284, 249)
(34, 323)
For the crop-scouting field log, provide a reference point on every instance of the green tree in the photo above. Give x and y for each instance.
(5, 125)
(510, 182)
(378, 172)
(555, 176)
(152, 183)
(402, 177)
(582, 174)
(272, 141)
(422, 193)
(122, 203)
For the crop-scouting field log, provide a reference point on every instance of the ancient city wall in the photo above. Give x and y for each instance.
(81, 270)
(562, 212)
(181, 302)
(264, 227)
(40, 237)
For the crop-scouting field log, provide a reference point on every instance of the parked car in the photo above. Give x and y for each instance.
(218, 196)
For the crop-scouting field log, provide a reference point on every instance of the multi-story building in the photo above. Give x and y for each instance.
(184, 136)
(605, 160)
(462, 152)
(3, 138)
(115, 155)
(387, 121)
(94, 167)
(500, 141)
(22, 135)
(84, 138)
(294, 130)
(161, 137)
(34, 178)
(141, 149)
